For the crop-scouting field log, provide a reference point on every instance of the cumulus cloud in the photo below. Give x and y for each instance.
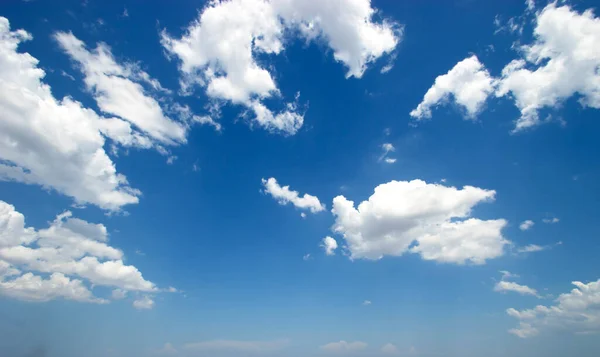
(145, 303)
(468, 83)
(57, 144)
(343, 346)
(284, 195)
(34, 288)
(577, 311)
(237, 346)
(68, 247)
(526, 225)
(418, 217)
(505, 286)
(218, 51)
(329, 245)
(561, 62)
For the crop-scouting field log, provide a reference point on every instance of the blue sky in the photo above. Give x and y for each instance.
(299, 178)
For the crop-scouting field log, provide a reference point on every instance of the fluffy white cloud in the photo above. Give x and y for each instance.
(525, 225)
(469, 84)
(219, 49)
(343, 346)
(237, 346)
(31, 287)
(284, 195)
(69, 246)
(505, 286)
(329, 245)
(54, 143)
(418, 217)
(561, 62)
(145, 303)
(577, 311)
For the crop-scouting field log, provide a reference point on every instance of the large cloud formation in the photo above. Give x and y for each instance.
(560, 63)
(219, 50)
(418, 217)
(69, 247)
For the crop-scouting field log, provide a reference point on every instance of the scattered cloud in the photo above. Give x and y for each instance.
(284, 195)
(577, 311)
(69, 246)
(167, 350)
(506, 286)
(367, 302)
(329, 245)
(343, 346)
(117, 90)
(508, 275)
(145, 303)
(387, 149)
(526, 225)
(550, 220)
(560, 63)
(417, 217)
(531, 248)
(306, 257)
(469, 84)
(213, 55)
(32, 120)
(119, 294)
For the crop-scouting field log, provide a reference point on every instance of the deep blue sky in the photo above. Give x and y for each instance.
(237, 256)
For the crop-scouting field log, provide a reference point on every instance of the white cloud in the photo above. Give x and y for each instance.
(218, 51)
(469, 84)
(417, 217)
(119, 294)
(550, 220)
(387, 148)
(561, 62)
(284, 195)
(117, 90)
(34, 288)
(237, 346)
(69, 246)
(306, 257)
(505, 286)
(389, 349)
(508, 275)
(531, 248)
(343, 346)
(367, 302)
(145, 303)
(57, 144)
(577, 311)
(329, 245)
(525, 225)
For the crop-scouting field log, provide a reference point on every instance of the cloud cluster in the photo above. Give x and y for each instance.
(560, 63)
(418, 217)
(219, 50)
(56, 144)
(284, 195)
(69, 247)
(577, 311)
